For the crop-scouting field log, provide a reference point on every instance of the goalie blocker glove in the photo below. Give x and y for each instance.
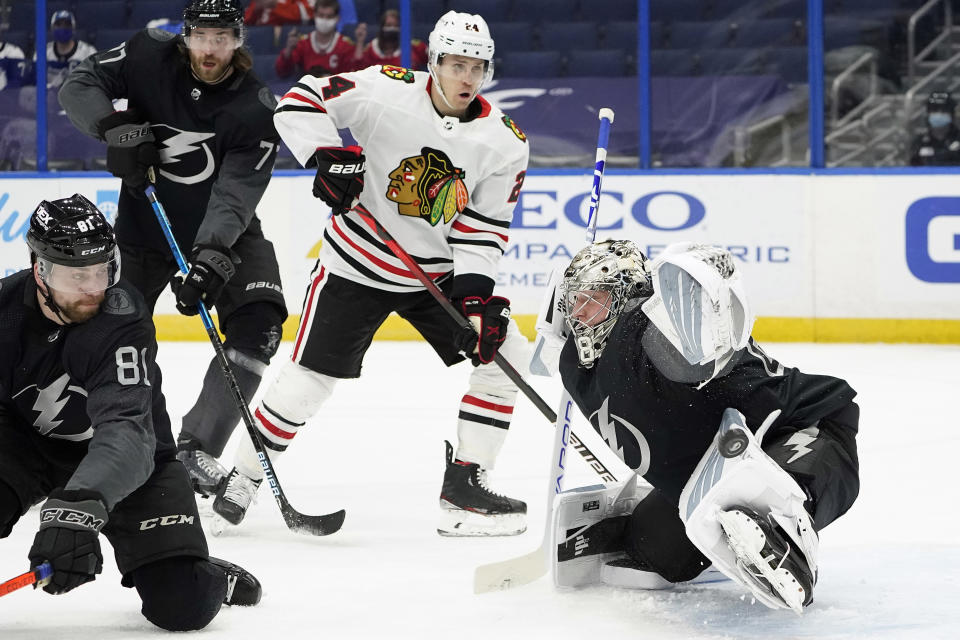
(489, 318)
(211, 268)
(131, 148)
(68, 538)
(339, 176)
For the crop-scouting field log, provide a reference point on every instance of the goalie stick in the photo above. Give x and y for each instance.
(37, 577)
(320, 525)
(524, 569)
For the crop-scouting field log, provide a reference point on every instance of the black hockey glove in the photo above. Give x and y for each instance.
(339, 176)
(489, 318)
(70, 523)
(131, 148)
(210, 269)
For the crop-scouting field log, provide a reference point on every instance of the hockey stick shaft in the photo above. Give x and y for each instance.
(302, 523)
(527, 568)
(37, 577)
(502, 362)
(603, 138)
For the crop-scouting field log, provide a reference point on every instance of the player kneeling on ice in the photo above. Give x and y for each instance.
(83, 426)
(746, 459)
(441, 170)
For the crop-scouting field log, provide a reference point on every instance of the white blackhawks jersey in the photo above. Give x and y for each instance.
(444, 189)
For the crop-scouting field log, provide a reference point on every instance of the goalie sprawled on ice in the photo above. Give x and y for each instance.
(746, 459)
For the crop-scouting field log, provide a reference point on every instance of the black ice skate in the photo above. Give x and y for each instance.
(234, 497)
(243, 588)
(469, 508)
(204, 470)
(766, 557)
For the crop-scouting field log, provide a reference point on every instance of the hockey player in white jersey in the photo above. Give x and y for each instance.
(441, 169)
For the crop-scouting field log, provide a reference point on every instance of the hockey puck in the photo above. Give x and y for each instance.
(733, 443)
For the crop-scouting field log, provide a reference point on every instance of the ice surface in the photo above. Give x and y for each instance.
(889, 569)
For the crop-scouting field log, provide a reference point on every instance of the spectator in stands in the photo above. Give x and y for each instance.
(385, 48)
(64, 52)
(939, 145)
(12, 64)
(324, 52)
(276, 12)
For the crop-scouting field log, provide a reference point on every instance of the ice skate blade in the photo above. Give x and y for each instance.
(458, 523)
(747, 540)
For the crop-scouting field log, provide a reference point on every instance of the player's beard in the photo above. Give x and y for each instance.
(209, 74)
(81, 308)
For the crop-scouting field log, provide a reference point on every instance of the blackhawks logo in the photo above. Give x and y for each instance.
(428, 186)
(397, 73)
(507, 120)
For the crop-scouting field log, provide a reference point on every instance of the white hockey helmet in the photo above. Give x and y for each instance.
(604, 280)
(462, 34)
(699, 303)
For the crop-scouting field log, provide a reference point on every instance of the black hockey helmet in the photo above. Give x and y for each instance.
(940, 101)
(225, 14)
(71, 232)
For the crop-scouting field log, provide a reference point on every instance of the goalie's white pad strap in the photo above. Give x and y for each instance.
(551, 329)
(750, 479)
(584, 529)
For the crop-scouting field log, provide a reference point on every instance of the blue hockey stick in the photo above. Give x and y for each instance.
(606, 119)
(321, 525)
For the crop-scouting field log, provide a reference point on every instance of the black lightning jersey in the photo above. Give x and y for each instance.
(90, 391)
(662, 428)
(217, 143)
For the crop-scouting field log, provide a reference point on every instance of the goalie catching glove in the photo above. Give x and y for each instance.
(489, 319)
(339, 176)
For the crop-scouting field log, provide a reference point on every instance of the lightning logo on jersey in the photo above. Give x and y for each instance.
(59, 415)
(617, 432)
(428, 186)
(800, 442)
(189, 148)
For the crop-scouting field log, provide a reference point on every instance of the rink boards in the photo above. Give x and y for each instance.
(826, 257)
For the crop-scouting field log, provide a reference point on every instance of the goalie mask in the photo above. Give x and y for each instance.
(603, 281)
(700, 305)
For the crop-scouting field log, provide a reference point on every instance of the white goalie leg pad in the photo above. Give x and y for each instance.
(588, 529)
(748, 478)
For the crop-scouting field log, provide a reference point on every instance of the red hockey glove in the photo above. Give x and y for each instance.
(489, 318)
(339, 176)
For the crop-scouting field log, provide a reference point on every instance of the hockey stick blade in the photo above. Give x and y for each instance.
(507, 574)
(322, 525)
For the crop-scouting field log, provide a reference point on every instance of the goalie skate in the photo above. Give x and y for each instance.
(766, 558)
(469, 508)
(627, 573)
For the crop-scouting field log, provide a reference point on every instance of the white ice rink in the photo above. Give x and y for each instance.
(889, 569)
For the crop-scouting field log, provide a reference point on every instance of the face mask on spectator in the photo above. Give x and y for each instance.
(63, 35)
(939, 119)
(390, 37)
(325, 25)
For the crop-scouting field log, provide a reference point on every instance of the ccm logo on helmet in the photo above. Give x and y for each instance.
(87, 252)
(347, 169)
